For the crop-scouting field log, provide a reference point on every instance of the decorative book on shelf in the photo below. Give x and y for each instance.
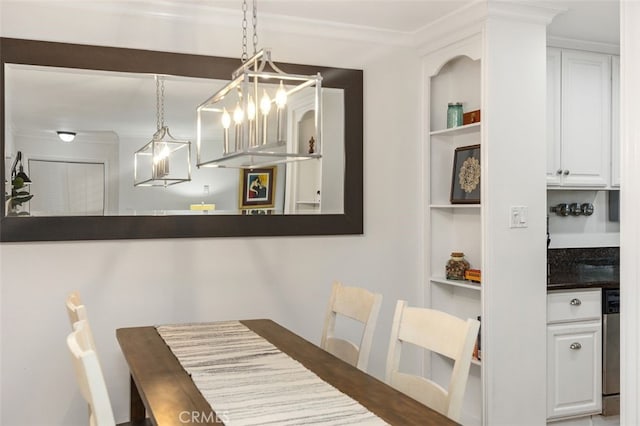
(472, 275)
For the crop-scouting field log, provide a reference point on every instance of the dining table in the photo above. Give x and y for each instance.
(193, 374)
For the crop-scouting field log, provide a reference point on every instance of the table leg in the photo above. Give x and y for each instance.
(137, 411)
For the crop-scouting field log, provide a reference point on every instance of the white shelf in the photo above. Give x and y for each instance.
(455, 131)
(455, 283)
(476, 362)
(311, 203)
(454, 206)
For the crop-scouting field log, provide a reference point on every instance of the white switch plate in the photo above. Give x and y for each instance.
(519, 217)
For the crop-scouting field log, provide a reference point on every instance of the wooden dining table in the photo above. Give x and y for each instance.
(164, 392)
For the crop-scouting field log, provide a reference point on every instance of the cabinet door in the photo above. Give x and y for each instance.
(615, 121)
(554, 167)
(586, 118)
(574, 369)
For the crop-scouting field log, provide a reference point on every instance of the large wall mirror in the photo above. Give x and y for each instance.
(109, 97)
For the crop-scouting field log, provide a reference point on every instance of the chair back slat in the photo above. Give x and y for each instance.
(358, 304)
(89, 376)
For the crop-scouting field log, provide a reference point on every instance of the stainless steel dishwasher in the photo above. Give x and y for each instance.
(610, 352)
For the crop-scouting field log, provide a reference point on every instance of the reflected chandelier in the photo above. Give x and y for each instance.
(164, 160)
(251, 119)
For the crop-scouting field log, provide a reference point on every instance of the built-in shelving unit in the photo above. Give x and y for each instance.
(453, 227)
(495, 63)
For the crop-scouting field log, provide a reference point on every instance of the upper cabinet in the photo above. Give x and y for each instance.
(615, 121)
(578, 119)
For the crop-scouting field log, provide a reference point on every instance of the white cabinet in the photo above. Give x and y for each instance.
(579, 119)
(574, 353)
(615, 121)
(554, 165)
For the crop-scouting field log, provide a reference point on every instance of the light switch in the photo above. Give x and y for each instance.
(518, 217)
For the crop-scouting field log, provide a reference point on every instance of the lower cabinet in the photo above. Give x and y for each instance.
(574, 354)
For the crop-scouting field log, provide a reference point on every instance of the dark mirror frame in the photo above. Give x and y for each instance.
(67, 228)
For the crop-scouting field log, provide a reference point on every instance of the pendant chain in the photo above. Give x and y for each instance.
(254, 21)
(244, 56)
(255, 26)
(159, 102)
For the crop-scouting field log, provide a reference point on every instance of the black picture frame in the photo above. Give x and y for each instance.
(465, 179)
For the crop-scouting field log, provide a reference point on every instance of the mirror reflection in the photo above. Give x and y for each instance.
(114, 114)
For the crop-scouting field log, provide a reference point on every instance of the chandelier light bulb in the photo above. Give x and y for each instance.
(281, 96)
(265, 104)
(238, 115)
(251, 109)
(164, 153)
(226, 118)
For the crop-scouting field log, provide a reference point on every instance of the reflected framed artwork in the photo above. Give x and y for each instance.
(256, 188)
(257, 212)
(465, 181)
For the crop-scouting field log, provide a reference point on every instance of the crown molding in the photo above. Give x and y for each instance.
(206, 14)
(592, 46)
(524, 11)
(468, 20)
(459, 24)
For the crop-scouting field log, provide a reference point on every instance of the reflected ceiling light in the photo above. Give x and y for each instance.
(252, 117)
(165, 160)
(66, 136)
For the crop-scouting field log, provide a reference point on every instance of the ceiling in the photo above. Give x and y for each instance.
(590, 20)
(584, 20)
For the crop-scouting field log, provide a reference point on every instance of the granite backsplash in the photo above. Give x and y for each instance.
(578, 266)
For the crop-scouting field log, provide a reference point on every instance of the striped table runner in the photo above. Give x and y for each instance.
(248, 381)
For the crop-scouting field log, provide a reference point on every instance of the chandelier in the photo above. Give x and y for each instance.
(164, 160)
(250, 122)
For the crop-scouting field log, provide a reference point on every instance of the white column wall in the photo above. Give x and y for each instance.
(514, 259)
(138, 282)
(629, 204)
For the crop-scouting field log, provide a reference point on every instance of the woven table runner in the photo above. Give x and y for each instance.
(248, 381)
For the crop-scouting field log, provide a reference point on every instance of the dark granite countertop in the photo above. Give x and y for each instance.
(569, 282)
(583, 268)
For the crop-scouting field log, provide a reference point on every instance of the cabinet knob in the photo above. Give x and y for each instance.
(575, 302)
(566, 172)
(559, 172)
(575, 346)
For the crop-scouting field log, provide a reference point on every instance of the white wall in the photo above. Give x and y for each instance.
(629, 224)
(128, 283)
(582, 231)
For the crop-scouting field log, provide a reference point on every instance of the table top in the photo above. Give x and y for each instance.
(171, 397)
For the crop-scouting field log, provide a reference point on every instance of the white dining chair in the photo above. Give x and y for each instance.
(77, 311)
(441, 333)
(358, 304)
(75, 308)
